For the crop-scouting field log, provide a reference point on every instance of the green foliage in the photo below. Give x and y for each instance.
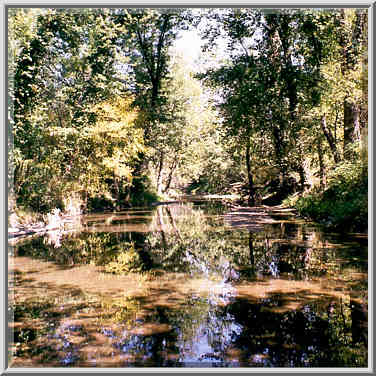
(126, 309)
(88, 248)
(102, 108)
(275, 84)
(72, 132)
(99, 204)
(267, 83)
(24, 217)
(127, 261)
(145, 36)
(142, 192)
(344, 204)
(193, 145)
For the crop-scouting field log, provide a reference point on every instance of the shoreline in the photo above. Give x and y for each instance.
(20, 232)
(249, 214)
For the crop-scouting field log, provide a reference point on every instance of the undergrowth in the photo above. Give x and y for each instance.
(343, 205)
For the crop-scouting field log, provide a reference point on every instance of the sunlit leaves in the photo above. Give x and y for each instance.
(127, 261)
(116, 140)
(63, 70)
(276, 89)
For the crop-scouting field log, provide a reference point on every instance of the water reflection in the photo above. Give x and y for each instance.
(203, 333)
(207, 291)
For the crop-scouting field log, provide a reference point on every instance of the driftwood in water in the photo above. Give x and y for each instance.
(254, 218)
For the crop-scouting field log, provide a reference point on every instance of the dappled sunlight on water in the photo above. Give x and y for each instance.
(189, 286)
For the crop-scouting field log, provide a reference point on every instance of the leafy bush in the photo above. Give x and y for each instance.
(344, 204)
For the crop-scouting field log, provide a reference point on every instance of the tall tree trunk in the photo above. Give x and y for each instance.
(301, 171)
(160, 169)
(155, 63)
(351, 44)
(322, 166)
(330, 139)
(117, 192)
(251, 196)
(301, 176)
(356, 136)
(351, 131)
(279, 146)
(172, 169)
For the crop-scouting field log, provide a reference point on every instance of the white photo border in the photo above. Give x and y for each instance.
(276, 4)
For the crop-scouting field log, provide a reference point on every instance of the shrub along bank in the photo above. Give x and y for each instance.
(343, 205)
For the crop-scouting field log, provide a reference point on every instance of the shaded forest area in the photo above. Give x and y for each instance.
(106, 113)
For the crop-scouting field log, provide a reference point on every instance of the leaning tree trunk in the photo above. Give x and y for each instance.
(169, 179)
(160, 176)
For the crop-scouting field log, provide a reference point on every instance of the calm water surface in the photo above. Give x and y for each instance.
(184, 285)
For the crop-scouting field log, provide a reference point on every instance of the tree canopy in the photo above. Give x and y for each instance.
(103, 107)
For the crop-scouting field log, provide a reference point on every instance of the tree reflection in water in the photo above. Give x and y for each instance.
(286, 295)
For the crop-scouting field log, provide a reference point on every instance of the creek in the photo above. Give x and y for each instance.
(189, 285)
